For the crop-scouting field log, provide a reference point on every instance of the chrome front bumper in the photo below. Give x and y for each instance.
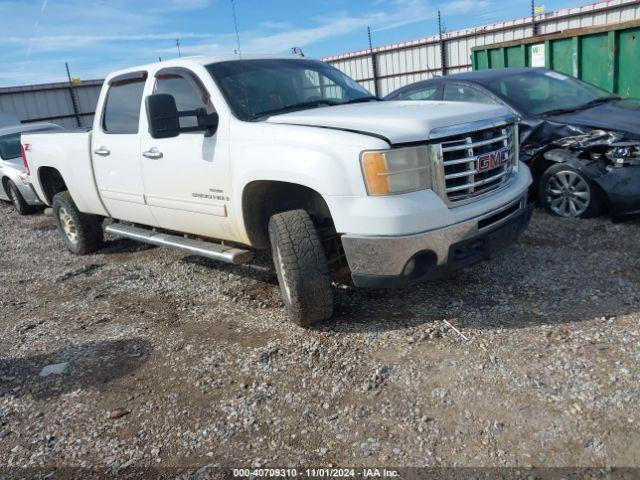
(391, 261)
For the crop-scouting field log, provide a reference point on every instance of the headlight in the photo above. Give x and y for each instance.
(402, 170)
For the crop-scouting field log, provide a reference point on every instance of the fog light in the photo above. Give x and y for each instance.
(420, 264)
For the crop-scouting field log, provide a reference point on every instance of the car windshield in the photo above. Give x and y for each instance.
(538, 92)
(258, 88)
(10, 147)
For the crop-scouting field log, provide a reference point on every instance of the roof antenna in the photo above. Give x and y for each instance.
(235, 24)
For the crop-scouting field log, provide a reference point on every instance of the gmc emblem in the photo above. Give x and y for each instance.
(491, 160)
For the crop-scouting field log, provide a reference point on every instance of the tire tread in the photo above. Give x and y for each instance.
(305, 264)
(90, 232)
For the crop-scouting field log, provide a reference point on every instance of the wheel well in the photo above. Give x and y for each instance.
(262, 199)
(51, 182)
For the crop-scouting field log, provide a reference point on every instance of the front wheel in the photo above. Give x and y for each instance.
(81, 233)
(567, 192)
(18, 201)
(301, 266)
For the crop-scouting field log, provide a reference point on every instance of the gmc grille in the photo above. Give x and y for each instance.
(466, 177)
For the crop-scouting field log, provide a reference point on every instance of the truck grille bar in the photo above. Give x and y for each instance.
(467, 177)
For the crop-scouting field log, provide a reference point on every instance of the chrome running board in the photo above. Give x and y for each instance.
(214, 251)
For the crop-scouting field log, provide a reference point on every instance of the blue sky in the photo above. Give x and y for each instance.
(97, 36)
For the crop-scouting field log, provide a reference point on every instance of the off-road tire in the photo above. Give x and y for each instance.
(301, 266)
(89, 235)
(21, 206)
(596, 205)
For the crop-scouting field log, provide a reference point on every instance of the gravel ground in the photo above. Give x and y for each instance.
(177, 361)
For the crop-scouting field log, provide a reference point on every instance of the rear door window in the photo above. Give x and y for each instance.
(122, 107)
(426, 93)
(456, 92)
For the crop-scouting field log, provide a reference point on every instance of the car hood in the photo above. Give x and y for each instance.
(396, 121)
(620, 116)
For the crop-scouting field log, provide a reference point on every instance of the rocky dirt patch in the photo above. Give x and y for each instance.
(177, 361)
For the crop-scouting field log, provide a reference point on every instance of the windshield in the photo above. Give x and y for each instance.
(537, 92)
(10, 147)
(256, 88)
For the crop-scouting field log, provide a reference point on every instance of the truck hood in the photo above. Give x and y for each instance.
(397, 121)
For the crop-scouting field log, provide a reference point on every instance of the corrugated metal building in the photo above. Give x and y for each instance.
(395, 65)
(53, 102)
(404, 63)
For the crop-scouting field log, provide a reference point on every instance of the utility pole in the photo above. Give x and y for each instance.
(235, 25)
(374, 66)
(74, 100)
(534, 25)
(178, 45)
(443, 52)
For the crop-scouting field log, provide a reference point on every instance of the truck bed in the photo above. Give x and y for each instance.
(68, 152)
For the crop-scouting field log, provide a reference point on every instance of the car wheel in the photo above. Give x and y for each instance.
(21, 206)
(566, 192)
(301, 266)
(81, 233)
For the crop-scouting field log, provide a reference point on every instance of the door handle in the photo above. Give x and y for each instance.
(152, 153)
(102, 151)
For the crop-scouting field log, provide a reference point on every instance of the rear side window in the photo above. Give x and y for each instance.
(456, 92)
(425, 93)
(10, 147)
(122, 107)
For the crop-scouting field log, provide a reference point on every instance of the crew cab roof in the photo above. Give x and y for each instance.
(202, 60)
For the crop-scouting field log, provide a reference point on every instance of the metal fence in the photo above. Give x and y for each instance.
(380, 70)
(53, 102)
(386, 68)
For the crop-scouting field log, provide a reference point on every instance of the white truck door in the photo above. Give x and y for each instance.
(187, 178)
(115, 150)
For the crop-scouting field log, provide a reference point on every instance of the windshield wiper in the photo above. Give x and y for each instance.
(297, 106)
(315, 103)
(592, 103)
(361, 100)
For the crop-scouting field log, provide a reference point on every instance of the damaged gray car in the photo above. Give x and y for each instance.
(580, 141)
(586, 175)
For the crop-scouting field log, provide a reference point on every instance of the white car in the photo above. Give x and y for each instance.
(219, 156)
(15, 186)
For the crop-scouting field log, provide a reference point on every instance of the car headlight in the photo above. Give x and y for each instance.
(400, 170)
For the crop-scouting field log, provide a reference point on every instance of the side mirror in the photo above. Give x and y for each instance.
(162, 116)
(208, 122)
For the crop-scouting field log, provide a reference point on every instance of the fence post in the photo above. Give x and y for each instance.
(74, 100)
(374, 66)
(443, 50)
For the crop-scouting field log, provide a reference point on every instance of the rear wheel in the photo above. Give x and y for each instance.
(301, 266)
(18, 201)
(81, 233)
(566, 192)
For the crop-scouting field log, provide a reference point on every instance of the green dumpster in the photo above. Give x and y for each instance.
(607, 56)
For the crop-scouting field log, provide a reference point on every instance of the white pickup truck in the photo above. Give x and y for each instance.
(220, 156)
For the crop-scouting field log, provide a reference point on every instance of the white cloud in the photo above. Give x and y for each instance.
(98, 35)
(388, 15)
